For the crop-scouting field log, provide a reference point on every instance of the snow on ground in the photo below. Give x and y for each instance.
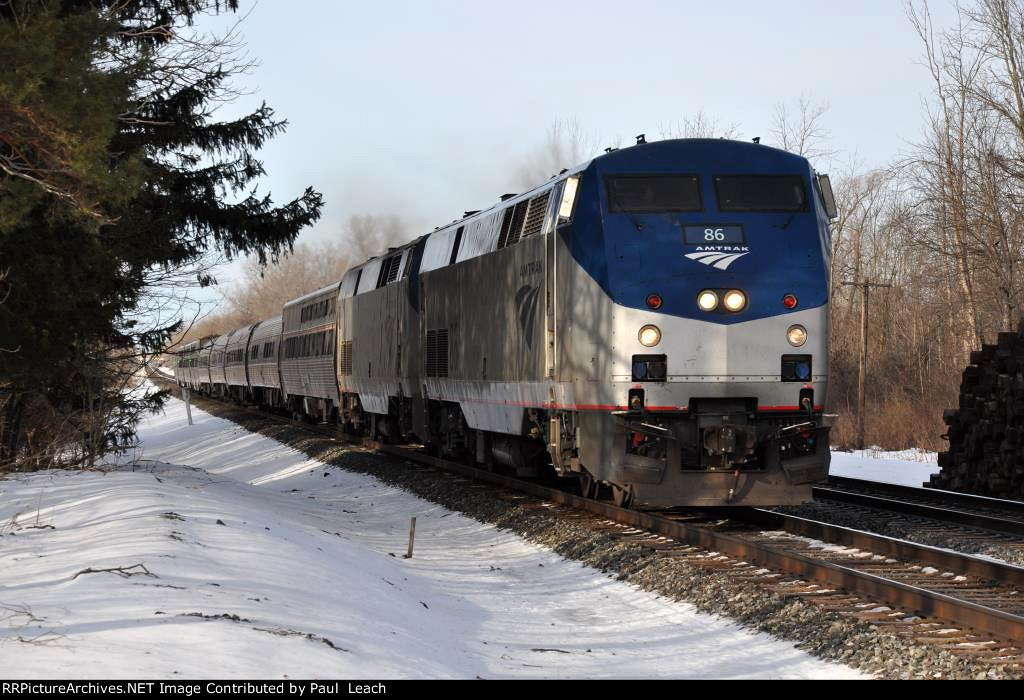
(904, 467)
(308, 557)
(166, 371)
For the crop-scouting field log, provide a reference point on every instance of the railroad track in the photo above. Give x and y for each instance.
(992, 514)
(969, 605)
(984, 595)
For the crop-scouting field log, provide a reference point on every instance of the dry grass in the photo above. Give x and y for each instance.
(895, 424)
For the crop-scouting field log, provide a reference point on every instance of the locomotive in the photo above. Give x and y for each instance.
(654, 322)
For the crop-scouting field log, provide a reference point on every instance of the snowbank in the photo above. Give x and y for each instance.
(260, 562)
(903, 467)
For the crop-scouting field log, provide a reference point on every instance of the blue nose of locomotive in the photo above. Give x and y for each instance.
(723, 232)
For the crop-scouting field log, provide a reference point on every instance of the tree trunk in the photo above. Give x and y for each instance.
(10, 432)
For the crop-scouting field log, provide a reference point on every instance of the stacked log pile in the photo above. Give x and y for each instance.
(986, 433)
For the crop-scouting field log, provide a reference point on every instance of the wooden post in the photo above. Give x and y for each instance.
(412, 537)
(862, 377)
(188, 402)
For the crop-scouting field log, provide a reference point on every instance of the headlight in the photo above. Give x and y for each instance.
(650, 336)
(734, 300)
(707, 300)
(796, 335)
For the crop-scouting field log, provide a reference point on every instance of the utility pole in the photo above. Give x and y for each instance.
(862, 376)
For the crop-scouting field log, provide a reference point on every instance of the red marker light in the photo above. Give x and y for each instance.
(654, 301)
(789, 301)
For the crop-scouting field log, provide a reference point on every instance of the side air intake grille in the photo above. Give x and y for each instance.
(389, 270)
(535, 215)
(437, 353)
(518, 218)
(346, 358)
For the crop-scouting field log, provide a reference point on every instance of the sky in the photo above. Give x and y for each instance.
(426, 109)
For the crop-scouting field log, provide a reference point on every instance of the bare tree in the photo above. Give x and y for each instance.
(261, 291)
(565, 145)
(994, 31)
(944, 225)
(940, 168)
(802, 130)
(698, 126)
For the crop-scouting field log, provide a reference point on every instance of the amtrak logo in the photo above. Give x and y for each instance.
(526, 299)
(718, 257)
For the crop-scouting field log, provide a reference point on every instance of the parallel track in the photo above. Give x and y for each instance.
(980, 594)
(962, 509)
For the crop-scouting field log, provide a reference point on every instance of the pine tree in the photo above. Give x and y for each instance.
(114, 176)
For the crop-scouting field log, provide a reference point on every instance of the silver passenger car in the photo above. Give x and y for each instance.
(308, 334)
(234, 362)
(218, 382)
(185, 369)
(201, 372)
(262, 362)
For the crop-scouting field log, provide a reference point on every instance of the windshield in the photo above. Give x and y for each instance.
(638, 194)
(765, 193)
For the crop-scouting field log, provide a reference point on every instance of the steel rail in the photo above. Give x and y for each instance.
(903, 550)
